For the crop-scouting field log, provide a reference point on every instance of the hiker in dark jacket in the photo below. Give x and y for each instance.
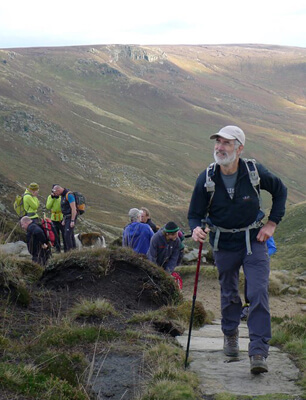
(36, 241)
(137, 235)
(165, 247)
(146, 219)
(238, 237)
(54, 204)
(68, 207)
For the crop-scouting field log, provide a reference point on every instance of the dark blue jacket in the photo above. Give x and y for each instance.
(163, 253)
(239, 212)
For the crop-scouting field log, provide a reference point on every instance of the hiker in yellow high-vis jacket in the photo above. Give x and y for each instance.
(54, 204)
(31, 202)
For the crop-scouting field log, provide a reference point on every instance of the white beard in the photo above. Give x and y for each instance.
(227, 160)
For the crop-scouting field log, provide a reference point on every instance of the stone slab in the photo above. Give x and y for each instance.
(219, 373)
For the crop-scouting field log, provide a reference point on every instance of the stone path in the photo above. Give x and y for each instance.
(219, 373)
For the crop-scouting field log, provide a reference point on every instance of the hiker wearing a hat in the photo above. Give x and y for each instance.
(137, 235)
(31, 202)
(227, 195)
(165, 247)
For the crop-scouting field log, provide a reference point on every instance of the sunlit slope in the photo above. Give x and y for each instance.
(130, 126)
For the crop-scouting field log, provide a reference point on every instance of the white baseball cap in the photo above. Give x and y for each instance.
(230, 132)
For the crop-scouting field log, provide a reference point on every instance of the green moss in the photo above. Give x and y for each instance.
(170, 390)
(29, 381)
(65, 366)
(58, 336)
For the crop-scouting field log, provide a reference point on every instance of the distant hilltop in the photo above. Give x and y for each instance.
(129, 125)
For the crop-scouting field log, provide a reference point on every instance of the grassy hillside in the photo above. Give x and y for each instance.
(129, 125)
(290, 238)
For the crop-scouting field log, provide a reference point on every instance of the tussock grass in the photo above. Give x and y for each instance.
(13, 270)
(170, 390)
(168, 379)
(69, 335)
(68, 366)
(290, 334)
(17, 276)
(99, 308)
(180, 313)
(28, 380)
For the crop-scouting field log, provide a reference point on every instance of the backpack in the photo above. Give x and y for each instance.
(47, 225)
(19, 206)
(178, 279)
(253, 175)
(80, 201)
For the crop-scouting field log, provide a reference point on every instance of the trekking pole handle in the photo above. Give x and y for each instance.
(203, 223)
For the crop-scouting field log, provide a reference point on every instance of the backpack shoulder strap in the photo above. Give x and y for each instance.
(209, 183)
(250, 164)
(69, 192)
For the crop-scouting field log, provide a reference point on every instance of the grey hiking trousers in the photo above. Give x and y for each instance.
(256, 269)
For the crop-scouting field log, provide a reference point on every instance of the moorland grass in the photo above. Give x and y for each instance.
(46, 360)
(167, 377)
(289, 333)
(179, 313)
(17, 276)
(28, 380)
(99, 308)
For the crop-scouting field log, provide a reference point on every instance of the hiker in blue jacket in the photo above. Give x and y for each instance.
(226, 195)
(165, 247)
(136, 234)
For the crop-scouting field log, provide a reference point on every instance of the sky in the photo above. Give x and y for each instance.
(35, 23)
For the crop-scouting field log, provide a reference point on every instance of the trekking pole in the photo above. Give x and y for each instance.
(203, 222)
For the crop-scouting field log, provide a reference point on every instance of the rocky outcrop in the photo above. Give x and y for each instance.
(136, 53)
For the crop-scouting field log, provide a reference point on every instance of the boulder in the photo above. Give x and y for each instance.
(16, 248)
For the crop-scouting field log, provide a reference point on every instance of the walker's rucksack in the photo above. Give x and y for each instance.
(48, 228)
(253, 175)
(80, 202)
(19, 206)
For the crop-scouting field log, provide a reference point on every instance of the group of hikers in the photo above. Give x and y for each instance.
(164, 246)
(226, 205)
(62, 204)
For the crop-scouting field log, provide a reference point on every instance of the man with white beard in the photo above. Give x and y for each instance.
(227, 195)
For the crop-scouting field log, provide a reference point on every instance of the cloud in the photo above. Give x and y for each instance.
(59, 22)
